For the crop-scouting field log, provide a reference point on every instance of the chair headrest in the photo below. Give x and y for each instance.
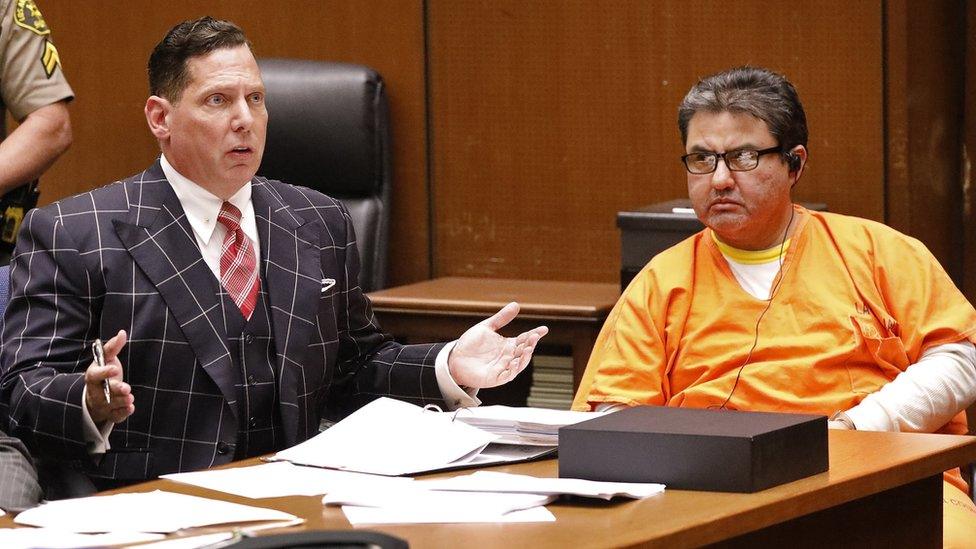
(327, 126)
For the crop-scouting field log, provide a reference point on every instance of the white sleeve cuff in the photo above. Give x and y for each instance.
(96, 437)
(454, 396)
(609, 407)
(869, 415)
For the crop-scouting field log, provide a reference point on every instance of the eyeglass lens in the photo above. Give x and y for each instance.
(705, 162)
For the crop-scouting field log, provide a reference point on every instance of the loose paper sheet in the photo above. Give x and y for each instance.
(382, 515)
(495, 482)
(281, 479)
(156, 511)
(521, 425)
(390, 437)
(415, 505)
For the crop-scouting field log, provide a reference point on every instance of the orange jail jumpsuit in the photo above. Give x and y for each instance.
(857, 304)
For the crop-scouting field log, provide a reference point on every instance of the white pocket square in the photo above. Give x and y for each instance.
(327, 283)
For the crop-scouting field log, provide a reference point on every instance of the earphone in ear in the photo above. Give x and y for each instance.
(793, 161)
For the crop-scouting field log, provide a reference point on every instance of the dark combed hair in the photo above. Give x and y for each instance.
(168, 74)
(752, 90)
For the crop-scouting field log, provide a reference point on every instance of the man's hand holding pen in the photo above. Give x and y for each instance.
(120, 403)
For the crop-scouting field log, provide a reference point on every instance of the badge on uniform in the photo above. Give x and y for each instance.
(28, 16)
(12, 218)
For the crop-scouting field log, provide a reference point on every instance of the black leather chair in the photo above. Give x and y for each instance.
(328, 129)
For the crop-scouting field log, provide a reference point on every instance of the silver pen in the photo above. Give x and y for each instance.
(99, 353)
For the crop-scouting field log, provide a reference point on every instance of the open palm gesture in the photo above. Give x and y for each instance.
(483, 358)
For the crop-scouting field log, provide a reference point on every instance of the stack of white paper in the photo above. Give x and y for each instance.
(494, 482)
(390, 437)
(519, 425)
(408, 504)
(157, 511)
(412, 515)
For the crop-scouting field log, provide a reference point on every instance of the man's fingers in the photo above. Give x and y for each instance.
(114, 345)
(122, 399)
(501, 319)
(521, 353)
(119, 414)
(513, 368)
(121, 391)
(526, 341)
(95, 373)
(121, 405)
(526, 356)
(533, 337)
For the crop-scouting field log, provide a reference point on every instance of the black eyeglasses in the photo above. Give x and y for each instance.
(741, 160)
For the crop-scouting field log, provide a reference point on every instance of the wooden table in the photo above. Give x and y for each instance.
(442, 308)
(881, 489)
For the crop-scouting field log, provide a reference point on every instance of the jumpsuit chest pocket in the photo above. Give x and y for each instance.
(878, 351)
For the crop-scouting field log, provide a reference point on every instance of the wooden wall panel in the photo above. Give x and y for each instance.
(969, 153)
(924, 44)
(549, 117)
(105, 45)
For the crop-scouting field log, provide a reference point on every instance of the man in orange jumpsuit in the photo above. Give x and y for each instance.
(774, 307)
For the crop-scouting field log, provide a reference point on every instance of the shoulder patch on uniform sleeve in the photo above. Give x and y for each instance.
(29, 17)
(50, 58)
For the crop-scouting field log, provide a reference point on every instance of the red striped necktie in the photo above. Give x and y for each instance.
(238, 264)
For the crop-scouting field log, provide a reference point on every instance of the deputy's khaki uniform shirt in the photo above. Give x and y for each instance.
(30, 68)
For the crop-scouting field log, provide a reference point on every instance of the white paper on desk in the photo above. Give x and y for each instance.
(494, 482)
(378, 515)
(156, 511)
(473, 503)
(521, 425)
(390, 437)
(281, 479)
(54, 538)
(411, 504)
(495, 454)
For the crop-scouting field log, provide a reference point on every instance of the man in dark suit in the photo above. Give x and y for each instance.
(231, 303)
(18, 479)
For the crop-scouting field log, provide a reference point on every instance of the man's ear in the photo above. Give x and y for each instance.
(157, 116)
(800, 156)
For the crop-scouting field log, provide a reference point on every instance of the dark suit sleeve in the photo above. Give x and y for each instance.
(370, 364)
(44, 356)
(18, 479)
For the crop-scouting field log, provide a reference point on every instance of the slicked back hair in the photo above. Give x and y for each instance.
(168, 72)
(751, 90)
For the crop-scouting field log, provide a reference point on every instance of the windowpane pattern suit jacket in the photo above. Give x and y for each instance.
(124, 257)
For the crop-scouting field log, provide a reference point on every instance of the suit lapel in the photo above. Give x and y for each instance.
(293, 281)
(160, 240)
